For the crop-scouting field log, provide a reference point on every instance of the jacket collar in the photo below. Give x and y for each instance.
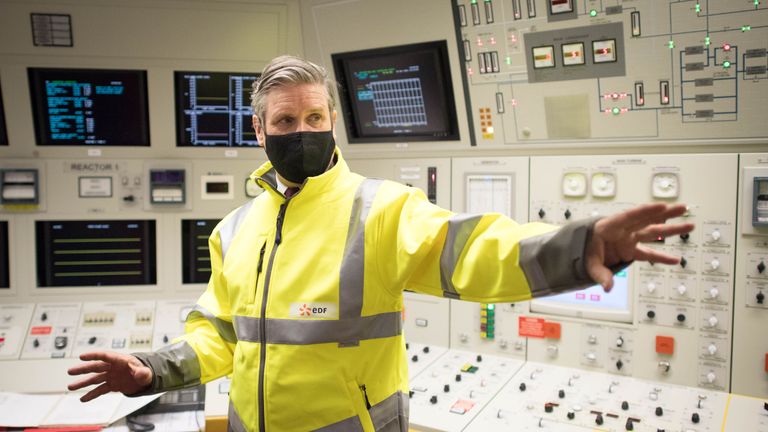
(266, 177)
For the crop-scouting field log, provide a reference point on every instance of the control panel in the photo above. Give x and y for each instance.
(750, 348)
(658, 321)
(52, 331)
(450, 393)
(115, 326)
(421, 356)
(433, 175)
(170, 316)
(14, 321)
(543, 397)
(647, 71)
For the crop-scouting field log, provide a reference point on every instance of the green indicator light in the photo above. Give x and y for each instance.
(616, 111)
(491, 307)
(726, 64)
(746, 28)
(698, 8)
(509, 60)
(706, 41)
(671, 44)
(757, 3)
(593, 13)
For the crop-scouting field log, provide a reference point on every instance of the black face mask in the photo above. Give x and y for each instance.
(299, 155)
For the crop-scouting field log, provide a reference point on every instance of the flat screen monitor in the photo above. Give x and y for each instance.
(396, 94)
(95, 107)
(213, 109)
(3, 132)
(95, 252)
(5, 267)
(592, 302)
(196, 258)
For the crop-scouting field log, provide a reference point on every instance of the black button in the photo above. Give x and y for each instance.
(407, 345)
(561, 394)
(571, 415)
(415, 358)
(522, 387)
(695, 417)
(567, 214)
(479, 358)
(446, 388)
(761, 267)
(685, 236)
(548, 407)
(433, 399)
(683, 262)
(630, 425)
(92, 340)
(35, 343)
(651, 314)
(542, 213)
(659, 411)
(625, 405)
(619, 364)
(599, 419)
(165, 339)
(44, 316)
(681, 317)
(760, 297)
(426, 350)
(458, 377)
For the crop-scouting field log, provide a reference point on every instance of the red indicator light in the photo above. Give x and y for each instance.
(666, 99)
(624, 110)
(615, 96)
(514, 102)
(493, 41)
(607, 110)
(726, 47)
(469, 71)
(641, 101)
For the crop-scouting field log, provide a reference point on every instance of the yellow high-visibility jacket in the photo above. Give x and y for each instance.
(304, 303)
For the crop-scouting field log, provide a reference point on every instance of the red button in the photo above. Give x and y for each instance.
(665, 345)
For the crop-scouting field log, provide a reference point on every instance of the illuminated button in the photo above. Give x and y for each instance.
(698, 8)
(726, 64)
(593, 13)
(616, 111)
(726, 47)
(671, 44)
(707, 40)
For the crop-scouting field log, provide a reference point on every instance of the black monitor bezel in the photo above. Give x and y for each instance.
(349, 109)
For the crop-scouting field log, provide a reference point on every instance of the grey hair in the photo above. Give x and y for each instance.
(288, 70)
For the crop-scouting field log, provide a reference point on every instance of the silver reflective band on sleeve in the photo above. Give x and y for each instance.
(229, 228)
(391, 414)
(460, 227)
(234, 424)
(225, 328)
(353, 264)
(351, 424)
(307, 332)
(173, 367)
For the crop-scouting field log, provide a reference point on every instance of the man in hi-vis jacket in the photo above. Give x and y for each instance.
(304, 303)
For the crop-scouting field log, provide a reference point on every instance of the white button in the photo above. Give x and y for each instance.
(681, 289)
(592, 339)
(712, 321)
(591, 356)
(714, 292)
(619, 341)
(651, 287)
(712, 348)
(715, 263)
(716, 235)
(421, 322)
(552, 350)
(711, 377)
(653, 396)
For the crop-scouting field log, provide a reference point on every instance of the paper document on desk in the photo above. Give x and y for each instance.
(18, 410)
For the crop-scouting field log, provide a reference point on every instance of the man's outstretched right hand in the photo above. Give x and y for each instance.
(114, 371)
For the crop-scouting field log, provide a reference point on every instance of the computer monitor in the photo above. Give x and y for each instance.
(5, 268)
(213, 109)
(3, 132)
(592, 302)
(396, 94)
(196, 258)
(95, 252)
(94, 107)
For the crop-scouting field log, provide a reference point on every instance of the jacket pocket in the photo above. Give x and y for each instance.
(360, 404)
(260, 270)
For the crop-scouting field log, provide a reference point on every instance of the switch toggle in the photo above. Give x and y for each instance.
(761, 267)
(760, 297)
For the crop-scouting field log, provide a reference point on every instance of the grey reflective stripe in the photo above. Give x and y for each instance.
(229, 228)
(555, 262)
(225, 328)
(353, 264)
(234, 424)
(173, 367)
(391, 414)
(307, 332)
(460, 227)
(351, 424)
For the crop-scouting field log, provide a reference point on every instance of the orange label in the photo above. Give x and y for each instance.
(41, 330)
(530, 327)
(552, 330)
(665, 345)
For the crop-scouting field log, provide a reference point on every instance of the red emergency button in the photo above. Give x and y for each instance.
(665, 345)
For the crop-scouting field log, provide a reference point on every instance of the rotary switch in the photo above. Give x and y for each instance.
(760, 297)
(761, 267)
(542, 213)
(683, 262)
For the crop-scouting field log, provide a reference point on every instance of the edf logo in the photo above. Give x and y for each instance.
(307, 311)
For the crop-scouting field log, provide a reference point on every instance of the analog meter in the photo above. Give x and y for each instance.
(574, 184)
(603, 185)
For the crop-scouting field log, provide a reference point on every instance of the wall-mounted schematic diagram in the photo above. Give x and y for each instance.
(613, 72)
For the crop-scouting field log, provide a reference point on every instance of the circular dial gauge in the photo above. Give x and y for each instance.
(603, 185)
(665, 185)
(574, 184)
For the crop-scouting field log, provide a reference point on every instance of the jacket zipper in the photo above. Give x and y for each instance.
(258, 269)
(262, 319)
(365, 396)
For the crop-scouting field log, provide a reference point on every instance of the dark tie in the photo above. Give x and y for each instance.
(291, 191)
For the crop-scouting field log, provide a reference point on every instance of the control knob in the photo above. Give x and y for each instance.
(713, 293)
(715, 264)
(695, 417)
(433, 399)
(458, 377)
(683, 262)
(548, 407)
(716, 235)
(625, 405)
(522, 387)
(712, 321)
(619, 364)
(681, 317)
(44, 316)
(651, 314)
(760, 297)
(92, 340)
(712, 349)
(426, 350)
(561, 393)
(415, 358)
(542, 213)
(630, 425)
(446, 388)
(651, 287)
(659, 411)
(682, 289)
(711, 377)
(619, 341)
(599, 419)
(571, 414)
(479, 358)
(684, 237)
(761, 267)
(567, 214)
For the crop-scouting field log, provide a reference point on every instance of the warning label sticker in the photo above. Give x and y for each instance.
(538, 328)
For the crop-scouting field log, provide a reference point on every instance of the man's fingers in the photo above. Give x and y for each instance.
(90, 367)
(99, 355)
(654, 232)
(638, 217)
(644, 253)
(600, 274)
(91, 380)
(93, 394)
